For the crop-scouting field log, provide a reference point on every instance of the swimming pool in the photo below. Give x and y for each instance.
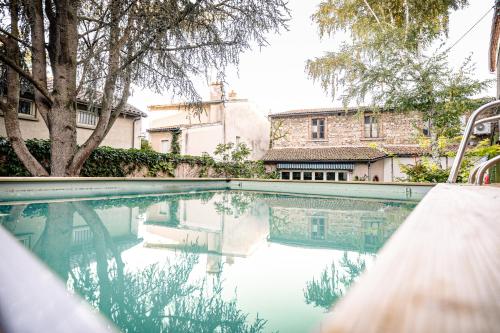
(210, 260)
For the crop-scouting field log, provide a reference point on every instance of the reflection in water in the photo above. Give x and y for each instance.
(173, 262)
(333, 282)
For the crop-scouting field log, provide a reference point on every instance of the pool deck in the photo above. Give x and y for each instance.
(440, 272)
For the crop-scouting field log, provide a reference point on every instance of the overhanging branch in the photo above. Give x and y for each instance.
(27, 76)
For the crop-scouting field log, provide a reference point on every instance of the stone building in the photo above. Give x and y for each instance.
(336, 144)
(220, 121)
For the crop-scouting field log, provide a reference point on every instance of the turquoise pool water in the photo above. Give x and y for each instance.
(213, 261)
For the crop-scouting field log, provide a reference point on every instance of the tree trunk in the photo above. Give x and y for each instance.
(57, 238)
(62, 114)
(62, 139)
(435, 153)
(10, 107)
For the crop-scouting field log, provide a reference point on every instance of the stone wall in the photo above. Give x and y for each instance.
(343, 129)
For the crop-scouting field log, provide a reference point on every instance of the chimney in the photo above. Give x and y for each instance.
(232, 94)
(216, 91)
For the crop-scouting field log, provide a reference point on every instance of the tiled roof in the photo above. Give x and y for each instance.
(323, 154)
(128, 109)
(299, 112)
(343, 153)
(406, 150)
(163, 129)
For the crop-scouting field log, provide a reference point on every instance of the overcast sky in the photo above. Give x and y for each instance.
(274, 77)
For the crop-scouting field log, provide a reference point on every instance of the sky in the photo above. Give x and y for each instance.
(274, 77)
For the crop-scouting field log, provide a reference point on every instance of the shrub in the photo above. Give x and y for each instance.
(115, 162)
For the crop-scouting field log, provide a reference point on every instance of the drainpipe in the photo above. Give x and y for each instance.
(392, 169)
(369, 174)
(133, 130)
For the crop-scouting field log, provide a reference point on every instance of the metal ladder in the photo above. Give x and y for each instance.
(477, 174)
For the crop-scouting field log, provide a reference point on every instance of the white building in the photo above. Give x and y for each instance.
(221, 121)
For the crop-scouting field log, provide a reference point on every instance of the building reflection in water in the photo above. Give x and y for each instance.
(84, 242)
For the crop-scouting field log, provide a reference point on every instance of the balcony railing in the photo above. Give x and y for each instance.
(86, 118)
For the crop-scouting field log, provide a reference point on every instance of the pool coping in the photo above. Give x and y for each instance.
(36, 188)
(228, 179)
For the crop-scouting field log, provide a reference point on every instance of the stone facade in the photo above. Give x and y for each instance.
(347, 129)
(345, 145)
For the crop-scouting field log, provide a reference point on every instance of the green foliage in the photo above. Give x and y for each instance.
(333, 283)
(420, 21)
(427, 171)
(145, 145)
(176, 148)
(103, 162)
(389, 60)
(474, 155)
(233, 163)
(114, 162)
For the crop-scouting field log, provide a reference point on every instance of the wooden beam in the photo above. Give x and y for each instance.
(440, 272)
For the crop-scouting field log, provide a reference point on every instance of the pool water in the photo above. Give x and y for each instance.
(213, 261)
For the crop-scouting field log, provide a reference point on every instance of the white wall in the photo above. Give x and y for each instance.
(220, 123)
(199, 140)
(392, 166)
(244, 120)
(120, 135)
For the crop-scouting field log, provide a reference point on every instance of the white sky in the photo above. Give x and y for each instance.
(274, 77)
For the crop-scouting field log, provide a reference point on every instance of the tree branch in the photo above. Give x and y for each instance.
(15, 38)
(27, 76)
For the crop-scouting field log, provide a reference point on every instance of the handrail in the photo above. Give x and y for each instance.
(472, 175)
(485, 166)
(487, 120)
(465, 138)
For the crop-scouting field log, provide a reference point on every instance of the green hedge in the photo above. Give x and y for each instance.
(114, 162)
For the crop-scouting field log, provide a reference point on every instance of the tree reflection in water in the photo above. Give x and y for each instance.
(333, 283)
(156, 298)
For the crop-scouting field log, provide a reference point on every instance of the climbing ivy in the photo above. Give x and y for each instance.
(115, 162)
(176, 148)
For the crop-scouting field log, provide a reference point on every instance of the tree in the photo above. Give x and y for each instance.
(95, 50)
(391, 62)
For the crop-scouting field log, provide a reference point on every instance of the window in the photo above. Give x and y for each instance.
(26, 107)
(426, 129)
(285, 175)
(165, 146)
(342, 176)
(296, 175)
(308, 175)
(318, 128)
(318, 175)
(318, 227)
(371, 126)
(86, 118)
(330, 176)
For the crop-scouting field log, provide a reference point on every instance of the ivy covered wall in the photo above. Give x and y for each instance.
(113, 162)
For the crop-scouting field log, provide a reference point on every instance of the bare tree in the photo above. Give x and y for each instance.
(278, 131)
(94, 50)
